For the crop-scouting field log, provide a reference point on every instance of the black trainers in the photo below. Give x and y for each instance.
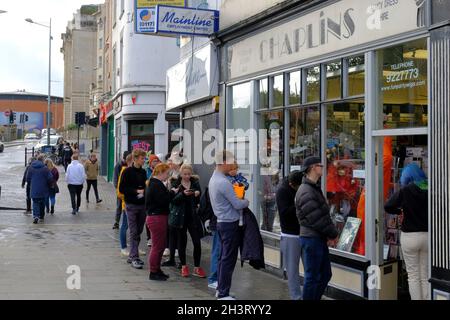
(135, 264)
(74, 212)
(115, 226)
(168, 263)
(99, 200)
(35, 220)
(52, 211)
(163, 274)
(179, 266)
(157, 277)
(140, 261)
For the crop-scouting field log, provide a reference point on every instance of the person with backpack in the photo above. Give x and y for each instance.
(183, 216)
(290, 231)
(316, 227)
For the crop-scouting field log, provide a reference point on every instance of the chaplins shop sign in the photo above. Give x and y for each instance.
(189, 21)
(336, 27)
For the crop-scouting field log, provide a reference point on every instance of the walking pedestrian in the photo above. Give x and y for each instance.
(316, 227)
(157, 200)
(92, 170)
(411, 201)
(28, 186)
(75, 177)
(133, 188)
(124, 225)
(53, 188)
(117, 169)
(67, 155)
(184, 217)
(226, 206)
(290, 231)
(39, 178)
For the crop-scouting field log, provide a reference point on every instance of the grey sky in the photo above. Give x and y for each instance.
(24, 46)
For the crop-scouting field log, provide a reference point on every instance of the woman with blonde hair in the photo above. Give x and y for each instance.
(157, 200)
(53, 189)
(184, 218)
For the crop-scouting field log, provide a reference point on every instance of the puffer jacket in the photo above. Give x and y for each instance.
(313, 212)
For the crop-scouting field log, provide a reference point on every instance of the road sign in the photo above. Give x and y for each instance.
(7, 113)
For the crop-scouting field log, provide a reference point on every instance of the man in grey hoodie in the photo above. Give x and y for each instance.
(226, 206)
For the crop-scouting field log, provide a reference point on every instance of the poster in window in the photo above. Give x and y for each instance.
(349, 234)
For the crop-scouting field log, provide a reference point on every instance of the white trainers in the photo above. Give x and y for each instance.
(213, 285)
(142, 252)
(124, 252)
(166, 252)
(227, 298)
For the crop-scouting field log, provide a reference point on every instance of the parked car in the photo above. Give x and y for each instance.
(44, 132)
(43, 142)
(31, 136)
(2, 147)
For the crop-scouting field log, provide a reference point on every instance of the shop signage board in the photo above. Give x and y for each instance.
(145, 13)
(193, 78)
(188, 21)
(342, 25)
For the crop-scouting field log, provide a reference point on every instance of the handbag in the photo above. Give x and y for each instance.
(176, 217)
(56, 188)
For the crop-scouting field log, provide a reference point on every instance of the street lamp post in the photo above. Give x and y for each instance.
(49, 72)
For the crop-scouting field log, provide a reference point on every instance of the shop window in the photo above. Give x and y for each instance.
(141, 135)
(263, 102)
(270, 173)
(404, 86)
(294, 87)
(312, 84)
(277, 91)
(173, 139)
(304, 135)
(356, 76)
(333, 83)
(345, 174)
(240, 109)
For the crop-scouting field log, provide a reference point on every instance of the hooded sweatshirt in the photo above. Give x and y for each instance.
(39, 178)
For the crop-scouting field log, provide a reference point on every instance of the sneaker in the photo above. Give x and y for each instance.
(179, 266)
(149, 243)
(135, 264)
(74, 212)
(35, 220)
(27, 212)
(163, 274)
(129, 260)
(227, 298)
(166, 253)
(168, 263)
(213, 285)
(142, 252)
(140, 261)
(116, 226)
(176, 253)
(157, 277)
(199, 272)
(185, 271)
(78, 209)
(125, 252)
(52, 211)
(99, 200)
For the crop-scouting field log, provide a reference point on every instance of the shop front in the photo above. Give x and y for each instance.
(343, 80)
(192, 89)
(107, 140)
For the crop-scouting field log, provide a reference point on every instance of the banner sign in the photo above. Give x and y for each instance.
(154, 3)
(189, 21)
(145, 13)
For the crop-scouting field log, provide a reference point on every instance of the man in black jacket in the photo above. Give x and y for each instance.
(290, 231)
(316, 227)
(117, 169)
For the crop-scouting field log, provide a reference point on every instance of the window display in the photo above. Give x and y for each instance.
(240, 110)
(333, 84)
(404, 86)
(304, 139)
(345, 175)
(356, 76)
(270, 173)
(312, 84)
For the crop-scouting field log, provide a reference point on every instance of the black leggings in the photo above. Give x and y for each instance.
(92, 183)
(182, 243)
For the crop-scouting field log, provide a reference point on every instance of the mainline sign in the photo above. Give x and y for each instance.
(189, 21)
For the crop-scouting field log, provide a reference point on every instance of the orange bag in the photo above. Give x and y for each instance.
(239, 190)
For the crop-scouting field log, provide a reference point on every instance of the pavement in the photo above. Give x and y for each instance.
(35, 260)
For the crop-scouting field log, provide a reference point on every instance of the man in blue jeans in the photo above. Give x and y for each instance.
(226, 206)
(39, 178)
(316, 227)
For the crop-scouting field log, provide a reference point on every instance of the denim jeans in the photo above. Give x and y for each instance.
(50, 201)
(123, 231)
(215, 249)
(38, 208)
(316, 262)
(291, 251)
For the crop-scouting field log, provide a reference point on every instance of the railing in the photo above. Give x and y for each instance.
(28, 151)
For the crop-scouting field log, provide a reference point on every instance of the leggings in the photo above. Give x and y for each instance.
(182, 242)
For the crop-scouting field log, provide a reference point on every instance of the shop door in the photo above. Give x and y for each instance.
(398, 158)
(110, 149)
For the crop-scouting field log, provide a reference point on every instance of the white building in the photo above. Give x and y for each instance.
(135, 115)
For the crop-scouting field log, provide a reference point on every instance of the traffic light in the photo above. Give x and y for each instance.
(12, 117)
(80, 118)
(21, 118)
(26, 117)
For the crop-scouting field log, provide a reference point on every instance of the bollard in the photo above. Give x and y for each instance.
(25, 156)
